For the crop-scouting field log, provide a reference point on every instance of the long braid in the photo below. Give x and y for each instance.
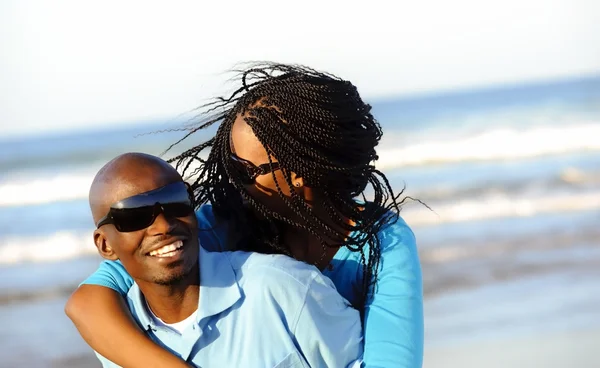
(317, 126)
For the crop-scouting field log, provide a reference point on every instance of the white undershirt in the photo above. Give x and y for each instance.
(178, 327)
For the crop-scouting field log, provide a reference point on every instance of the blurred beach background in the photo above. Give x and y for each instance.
(502, 142)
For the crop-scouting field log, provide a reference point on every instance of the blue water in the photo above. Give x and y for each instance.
(512, 174)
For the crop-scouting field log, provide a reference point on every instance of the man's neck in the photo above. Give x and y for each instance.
(173, 303)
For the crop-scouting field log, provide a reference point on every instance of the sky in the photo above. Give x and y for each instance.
(68, 65)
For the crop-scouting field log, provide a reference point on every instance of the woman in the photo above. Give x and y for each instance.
(287, 172)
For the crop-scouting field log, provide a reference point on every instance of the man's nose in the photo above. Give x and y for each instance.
(162, 225)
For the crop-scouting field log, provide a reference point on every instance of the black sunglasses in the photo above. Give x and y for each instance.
(140, 211)
(247, 171)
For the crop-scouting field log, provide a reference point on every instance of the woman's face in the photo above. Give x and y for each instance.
(248, 148)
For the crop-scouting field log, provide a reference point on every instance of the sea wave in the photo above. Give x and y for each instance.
(75, 244)
(499, 205)
(23, 191)
(493, 145)
(496, 145)
(566, 180)
(56, 247)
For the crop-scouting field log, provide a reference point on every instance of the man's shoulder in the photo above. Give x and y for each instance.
(272, 269)
(283, 285)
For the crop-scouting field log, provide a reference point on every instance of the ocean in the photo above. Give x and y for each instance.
(510, 250)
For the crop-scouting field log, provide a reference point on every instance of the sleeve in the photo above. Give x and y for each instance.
(111, 274)
(394, 312)
(328, 330)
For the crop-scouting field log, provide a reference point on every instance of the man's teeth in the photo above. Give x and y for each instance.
(168, 250)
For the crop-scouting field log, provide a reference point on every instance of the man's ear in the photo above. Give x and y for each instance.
(103, 248)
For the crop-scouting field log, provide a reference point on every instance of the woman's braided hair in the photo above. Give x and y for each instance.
(317, 126)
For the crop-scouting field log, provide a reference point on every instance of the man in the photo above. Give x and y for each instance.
(226, 309)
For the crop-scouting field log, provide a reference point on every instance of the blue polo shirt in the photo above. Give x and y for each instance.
(259, 310)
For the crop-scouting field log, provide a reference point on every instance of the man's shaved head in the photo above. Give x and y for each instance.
(129, 175)
(121, 178)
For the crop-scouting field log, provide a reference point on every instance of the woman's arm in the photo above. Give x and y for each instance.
(100, 313)
(393, 323)
(103, 320)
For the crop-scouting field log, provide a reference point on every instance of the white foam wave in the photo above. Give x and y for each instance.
(497, 206)
(498, 144)
(22, 191)
(56, 247)
(68, 245)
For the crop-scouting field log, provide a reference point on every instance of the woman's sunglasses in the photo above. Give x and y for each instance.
(140, 211)
(247, 171)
